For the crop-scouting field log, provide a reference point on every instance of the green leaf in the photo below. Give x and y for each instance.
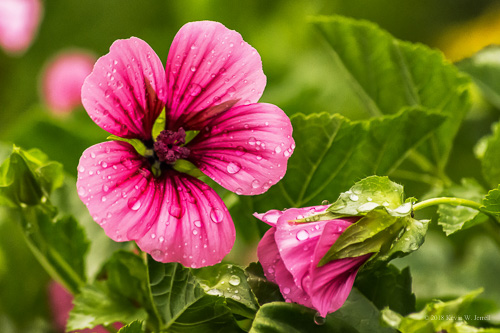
(118, 296)
(262, 288)
(181, 303)
(484, 68)
(133, 327)
(491, 203)
(356, 315)
(388, 75)
(438, 316)
(387, 286)
(456, 218)
(332, 153)
(490, 156)
(97, 305)
(229, 281)
(59, 243)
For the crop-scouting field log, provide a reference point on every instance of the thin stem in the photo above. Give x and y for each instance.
(448, 201)
(455, 202)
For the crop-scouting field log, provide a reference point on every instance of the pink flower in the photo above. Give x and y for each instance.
(211, 84)
(63, 79)
(290, 252)
(61, 303)
(19, 20)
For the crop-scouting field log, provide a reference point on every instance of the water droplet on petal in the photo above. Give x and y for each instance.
(233, 168)
(240, 151)
(104, 165)
(81, 169)
(193, 69)
(81, 191)
(255, 183)
(234, 280)
(157, 255)
(197, 223)
(195, 232)
(286, 290)
(302, 235)
(318, 320)
(134, 203)
(325, 202)
(216, 215)
(277, 150)
(194, 89)
(251, 141)
(176, 211)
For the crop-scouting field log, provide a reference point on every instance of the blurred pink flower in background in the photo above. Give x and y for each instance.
(19, 20)
(290, 252)
(61, 303)
(63, 78)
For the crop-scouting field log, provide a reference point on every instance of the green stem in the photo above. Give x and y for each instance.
(448, 201)
(454, 202)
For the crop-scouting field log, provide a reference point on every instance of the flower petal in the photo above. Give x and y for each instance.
(297, 241)
(245, 149)
(209, 64)
(19, 20)
(331, 284)
(126, 91)
(63, 80)
(271, 217)
(275, 270)
(175, 218)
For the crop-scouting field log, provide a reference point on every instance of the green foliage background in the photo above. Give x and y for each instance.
(301, 79)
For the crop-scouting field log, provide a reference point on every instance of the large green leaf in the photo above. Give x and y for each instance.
(183, 304)
(388, 75)
(484, 68)
(333, 152)
(387, 286)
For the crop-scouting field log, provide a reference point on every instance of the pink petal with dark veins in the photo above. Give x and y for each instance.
(126, 91)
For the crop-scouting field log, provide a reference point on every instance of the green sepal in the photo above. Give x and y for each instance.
(386, 227)
(136, 143)
(28, 177)
(185, 166)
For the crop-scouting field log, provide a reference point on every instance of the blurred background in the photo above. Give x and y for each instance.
(300, 79)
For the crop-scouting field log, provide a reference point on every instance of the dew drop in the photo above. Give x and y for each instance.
(176, 211)
(240, 151)
(105, 188)
(104, 165)
(92, 154)
(318, 320)
(214, 292)
(235, 297)
(103, 199)
(255, 183)
(234, 280)
(134, 203)
(239, 191)
(403, 209)
(193, 69)
(325, 202)
(233, 168)
(354, 197)
(195, 232)
(277, 150)
(216, 215)
(81, 191)
(81, 169)
(302, 235)
(251, 141)
(194, 89)
(366, 207)
(286, 290)
(157, 255)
